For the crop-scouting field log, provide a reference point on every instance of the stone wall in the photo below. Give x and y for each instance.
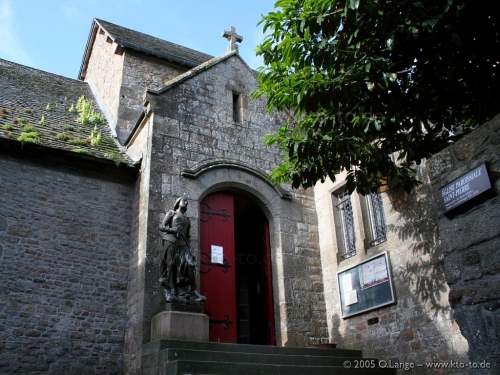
(470, 243)
(420, 327)
(140, 148)
(119, 78)
(140, 72)
(193, 123)
(64, 241)
(104, 75)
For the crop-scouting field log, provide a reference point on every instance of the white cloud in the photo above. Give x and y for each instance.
(10, 47)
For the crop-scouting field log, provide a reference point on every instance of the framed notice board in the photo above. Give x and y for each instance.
(366, 286)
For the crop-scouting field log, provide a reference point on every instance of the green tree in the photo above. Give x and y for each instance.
(369, 79)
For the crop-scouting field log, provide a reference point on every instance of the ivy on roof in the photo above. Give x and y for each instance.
(52, 111)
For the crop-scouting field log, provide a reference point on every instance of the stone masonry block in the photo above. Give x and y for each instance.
(286, 209)
(474, 292)
(470, 257)
(471, 273)
(184, 187)
(293, 266)
(472, 227)
(3, 224)
(495, 123)
(287, 243)
(440, 163)
(472, 144)
(166, 126)
(299, 317)
(490, 256)
(452, 269)
(173, 325)
(293, 339)
(214, 177)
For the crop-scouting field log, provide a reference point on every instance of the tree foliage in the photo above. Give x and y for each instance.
(375, 86)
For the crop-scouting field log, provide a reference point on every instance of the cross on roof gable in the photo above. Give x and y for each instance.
(233, 38)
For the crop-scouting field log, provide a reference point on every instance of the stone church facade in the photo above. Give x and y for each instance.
(79, 220)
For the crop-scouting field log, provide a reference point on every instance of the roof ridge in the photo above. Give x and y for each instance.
(191, 73)
(44, 71)
(133, 40)
(98, 20)
(195, 71)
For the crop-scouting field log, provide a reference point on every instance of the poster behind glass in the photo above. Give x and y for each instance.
(366, 286)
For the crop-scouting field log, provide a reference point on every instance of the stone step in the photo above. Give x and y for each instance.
(165, 357)
(176, 354)
(226, 368)
(159, 345)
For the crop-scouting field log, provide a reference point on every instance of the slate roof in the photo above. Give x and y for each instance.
(27, 95)
(155, 46)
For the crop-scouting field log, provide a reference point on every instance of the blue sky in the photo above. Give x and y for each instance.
(51, 34)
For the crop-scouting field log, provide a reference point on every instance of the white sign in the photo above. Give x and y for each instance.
(351, 297)
(346, 282)
(464, 188)
(217, 254)
(373, 273)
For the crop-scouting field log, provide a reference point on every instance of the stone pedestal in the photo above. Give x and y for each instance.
(180, 322)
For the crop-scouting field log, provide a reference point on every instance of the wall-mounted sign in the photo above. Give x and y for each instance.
(373, 273)
(365, 286)
(464, 188)
(217, 254)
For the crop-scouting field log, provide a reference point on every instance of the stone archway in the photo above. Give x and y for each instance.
(275, 203)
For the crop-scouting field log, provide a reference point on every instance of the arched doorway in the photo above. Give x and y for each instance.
(236, 269)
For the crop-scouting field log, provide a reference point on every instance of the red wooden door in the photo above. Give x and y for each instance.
(267, 289)
(218, 280)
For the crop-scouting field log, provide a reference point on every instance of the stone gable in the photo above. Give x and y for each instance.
(119, 79)
(120, 64)
(199, 113)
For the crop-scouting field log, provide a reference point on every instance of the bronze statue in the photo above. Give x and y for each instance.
(177, 270)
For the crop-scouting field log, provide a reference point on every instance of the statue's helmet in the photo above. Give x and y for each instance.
(178, 202)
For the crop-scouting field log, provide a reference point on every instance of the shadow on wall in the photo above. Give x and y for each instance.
(420, 327)
(425, 328)
(423, 270)
(336, 336)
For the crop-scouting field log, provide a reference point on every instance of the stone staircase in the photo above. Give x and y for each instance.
(169, 357)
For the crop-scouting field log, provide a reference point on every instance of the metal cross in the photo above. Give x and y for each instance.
(233, 38)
